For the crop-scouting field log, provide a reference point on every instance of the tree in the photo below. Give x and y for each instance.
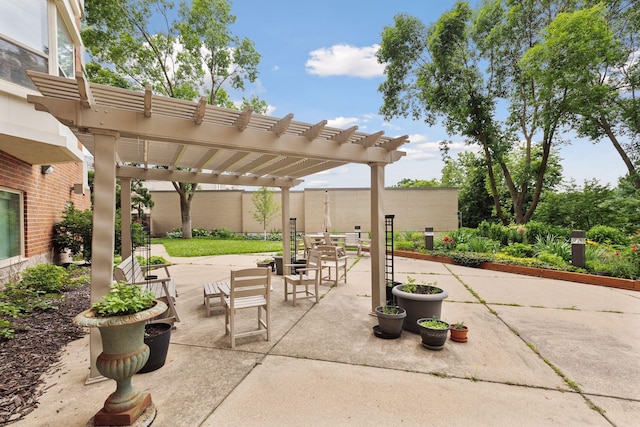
(265, 208)
(435, 72)
(141, 41)
(592, 55)
(416, 183)
(468, 173)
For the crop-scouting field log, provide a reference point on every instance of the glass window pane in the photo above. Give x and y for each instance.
(65, 50)
(25, 22)
(9, 225)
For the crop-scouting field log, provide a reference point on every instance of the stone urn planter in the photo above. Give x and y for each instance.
(390, 321)
(123, 354)
(433, 333)
(422, 301)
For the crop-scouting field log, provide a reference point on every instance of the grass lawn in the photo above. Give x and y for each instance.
(203, 246)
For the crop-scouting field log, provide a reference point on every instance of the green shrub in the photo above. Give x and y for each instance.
(45, 278)
(463, 235)
(607, 235)
(554, 245)
(521, 250)
(483, 244)
(6, 331)
(199, 232)
(174, 234)
(463, 247)
(470, 259)
(551, 258)
(404, 245)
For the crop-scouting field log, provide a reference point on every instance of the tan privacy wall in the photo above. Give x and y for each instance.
(414, 209)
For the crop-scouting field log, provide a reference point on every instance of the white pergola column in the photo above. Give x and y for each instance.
(104, 218)
(286, 227)
(378, 292)
(125, 216)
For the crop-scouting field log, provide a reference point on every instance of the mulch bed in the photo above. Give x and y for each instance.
(35, 351)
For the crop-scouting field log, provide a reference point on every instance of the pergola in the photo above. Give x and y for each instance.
(140, 135)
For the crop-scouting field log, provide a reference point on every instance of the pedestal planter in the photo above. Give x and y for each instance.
(279, 265)
(123, 354)
(419, 305)
(390, 321)
(433, 337)
(157, 337)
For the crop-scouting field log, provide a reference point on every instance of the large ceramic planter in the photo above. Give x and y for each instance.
(433, 338)
(123, 354)
(157, 338)
(389, 324)
(419, 305)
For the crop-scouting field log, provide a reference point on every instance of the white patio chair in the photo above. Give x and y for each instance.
(333, 260)
(304, 277)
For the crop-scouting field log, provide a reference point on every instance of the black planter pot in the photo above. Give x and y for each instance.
(158, 345)
(279, 265)
(418, 306)
(432, 338)
(389, 325)
(302, 263)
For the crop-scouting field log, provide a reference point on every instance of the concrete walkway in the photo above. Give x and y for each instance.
(540, 352)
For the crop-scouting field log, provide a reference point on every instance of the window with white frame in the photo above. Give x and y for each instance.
(10, 224)
(65, 50)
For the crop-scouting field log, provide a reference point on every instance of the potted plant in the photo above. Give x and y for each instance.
(120, 317)
(390, 321)
(266, 262)
(433, 332)
(157, 336)
(420, 301)
(459, 332)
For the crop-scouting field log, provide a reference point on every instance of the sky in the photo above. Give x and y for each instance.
(318, 62)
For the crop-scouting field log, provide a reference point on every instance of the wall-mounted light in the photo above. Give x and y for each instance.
(46, 169)
(77, 189)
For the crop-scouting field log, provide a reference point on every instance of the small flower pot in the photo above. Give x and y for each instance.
(459, 335)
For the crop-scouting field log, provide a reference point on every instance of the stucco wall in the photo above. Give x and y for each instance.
(414, 209)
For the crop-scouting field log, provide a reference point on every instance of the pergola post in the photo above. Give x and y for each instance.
(125, 217)
(104, 218)
(378, 292)
(286, 228)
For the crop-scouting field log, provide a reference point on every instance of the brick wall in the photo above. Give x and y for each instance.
(45, 197)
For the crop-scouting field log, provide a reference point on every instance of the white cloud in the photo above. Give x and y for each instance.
(317, 183)
(345, 60)
(276, 68)
(342, 122)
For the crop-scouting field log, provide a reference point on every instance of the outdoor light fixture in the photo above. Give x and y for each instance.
(46, 169)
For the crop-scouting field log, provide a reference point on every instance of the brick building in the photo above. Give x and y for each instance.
(42, 166)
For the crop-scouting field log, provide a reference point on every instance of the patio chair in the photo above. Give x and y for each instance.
(333, 260)
(249, 288)
(305, 277)
(353, 241)
(309, 245)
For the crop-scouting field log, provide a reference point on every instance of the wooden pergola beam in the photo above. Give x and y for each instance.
(282, 125)
(84, 90)
(243, 119)
(200, 110)
(314, 131)
(344, 136)
(147, 100)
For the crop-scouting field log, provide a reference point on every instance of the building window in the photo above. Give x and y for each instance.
(65, 50)
(10, 224)
(24, 40)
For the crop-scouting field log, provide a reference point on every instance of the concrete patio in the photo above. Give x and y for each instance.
(540, 352)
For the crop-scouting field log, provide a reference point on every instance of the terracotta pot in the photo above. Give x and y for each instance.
(459, 335)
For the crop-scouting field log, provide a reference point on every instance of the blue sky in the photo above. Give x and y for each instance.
(318, 62)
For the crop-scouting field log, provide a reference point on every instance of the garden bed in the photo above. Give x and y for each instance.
(589, 279)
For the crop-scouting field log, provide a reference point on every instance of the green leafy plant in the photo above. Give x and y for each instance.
(434, 323)
(124, 299)
(412, 287)
(458, 326)
(45, 278)
(391, 309)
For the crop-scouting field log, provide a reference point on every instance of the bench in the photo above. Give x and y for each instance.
(214, 290)
(130, 271)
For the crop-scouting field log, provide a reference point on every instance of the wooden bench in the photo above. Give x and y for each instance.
(130, 271)
(214, 290)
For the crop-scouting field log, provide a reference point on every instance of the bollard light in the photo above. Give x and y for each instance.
(428, 238)
(357, 230)
(578, 247)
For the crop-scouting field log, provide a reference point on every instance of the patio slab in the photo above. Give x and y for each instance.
(324, 366)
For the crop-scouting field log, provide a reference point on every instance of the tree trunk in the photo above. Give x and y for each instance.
(185, 208)
(604, 124)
